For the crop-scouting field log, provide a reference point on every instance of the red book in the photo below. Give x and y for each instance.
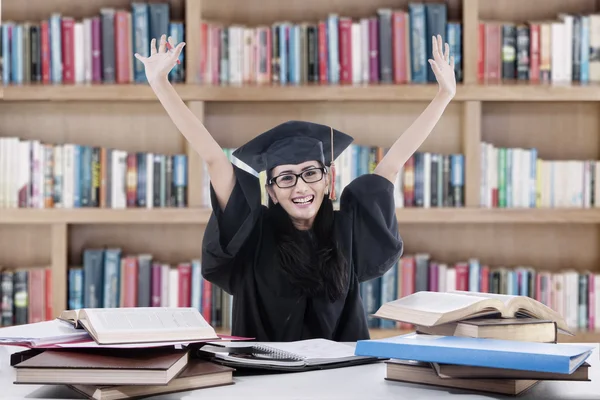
(130, 280)
(36, 290)
(49, 315)
(185, 284)
(484, 279)
(399, 46)
(408, 266)
(493, 49)
(462, 276)
(207, 300)
(534, 52)
(203, 52)
(323, 53)
(122, 50)
(155, 296)
(45, 50)
(68, 49)
(345, 49)
(481, 53)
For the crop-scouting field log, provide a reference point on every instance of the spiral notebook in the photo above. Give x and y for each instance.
(299, 355)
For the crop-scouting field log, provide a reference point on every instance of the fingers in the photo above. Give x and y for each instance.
(447, 53)
(434, 67)
(440, 45)
(435, 48)
(163, 44)
(452, 62)
(139, 57)
(153, 47)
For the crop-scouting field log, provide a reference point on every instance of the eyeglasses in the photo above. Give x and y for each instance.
(289, 180)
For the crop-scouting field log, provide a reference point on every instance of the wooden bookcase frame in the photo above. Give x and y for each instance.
(235, 113)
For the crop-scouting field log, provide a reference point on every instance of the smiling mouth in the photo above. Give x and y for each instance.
(303, 200)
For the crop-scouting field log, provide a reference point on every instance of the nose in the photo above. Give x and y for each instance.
(301, 186)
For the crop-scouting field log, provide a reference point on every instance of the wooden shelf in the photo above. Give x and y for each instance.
(105, 216)
(201, 215)
(505, 91)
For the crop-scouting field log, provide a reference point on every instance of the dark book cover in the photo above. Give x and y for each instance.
(436, 15)
(509, 51)
(523, 47)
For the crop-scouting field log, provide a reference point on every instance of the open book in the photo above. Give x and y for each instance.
(299, 355)
(141, 324)
(436, 308)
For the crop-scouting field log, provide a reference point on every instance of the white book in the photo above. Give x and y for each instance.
(79, 53)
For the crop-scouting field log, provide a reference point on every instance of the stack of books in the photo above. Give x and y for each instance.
(477, 341)
(118, 353)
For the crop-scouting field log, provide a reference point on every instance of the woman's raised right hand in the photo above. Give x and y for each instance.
(160, 62)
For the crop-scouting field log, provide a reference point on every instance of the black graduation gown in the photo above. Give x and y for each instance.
(238, 255)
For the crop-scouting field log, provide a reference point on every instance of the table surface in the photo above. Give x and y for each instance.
(358, 382)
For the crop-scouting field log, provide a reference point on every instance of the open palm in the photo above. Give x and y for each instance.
(161, 61)
(443, 66)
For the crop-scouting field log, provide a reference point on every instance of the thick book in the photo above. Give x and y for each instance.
(198, 374)
(427, 308)
(507, 354)
(521, 329)
(141, 324)
(423, 373)
(300, 355)
(452, 371)
(102, 367)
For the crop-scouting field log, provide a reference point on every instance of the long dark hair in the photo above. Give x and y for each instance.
(315, 267)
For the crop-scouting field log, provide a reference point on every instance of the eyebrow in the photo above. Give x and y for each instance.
(289, 171)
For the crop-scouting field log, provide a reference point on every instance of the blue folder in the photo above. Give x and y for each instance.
(494, 353)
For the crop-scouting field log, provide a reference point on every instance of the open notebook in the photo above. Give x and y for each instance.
(300, 355)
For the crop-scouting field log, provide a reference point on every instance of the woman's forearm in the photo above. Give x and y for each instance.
(412, 138)
(219, 167)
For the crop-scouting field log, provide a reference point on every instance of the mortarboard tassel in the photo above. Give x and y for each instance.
(332, 195)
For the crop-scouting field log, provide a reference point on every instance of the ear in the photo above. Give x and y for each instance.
(271, 193)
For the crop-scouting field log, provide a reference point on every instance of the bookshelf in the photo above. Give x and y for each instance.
(560, 120)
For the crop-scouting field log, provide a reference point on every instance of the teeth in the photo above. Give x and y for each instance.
(303, 200)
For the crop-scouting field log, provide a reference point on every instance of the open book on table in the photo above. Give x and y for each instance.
(294, 356)
(436, 308)
(141, 324)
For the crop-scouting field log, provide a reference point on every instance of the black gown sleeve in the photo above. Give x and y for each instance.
(228, 230)
(376, 243)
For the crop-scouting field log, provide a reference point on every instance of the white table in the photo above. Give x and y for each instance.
(360, 382)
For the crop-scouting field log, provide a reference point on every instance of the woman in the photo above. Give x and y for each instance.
(294, 267)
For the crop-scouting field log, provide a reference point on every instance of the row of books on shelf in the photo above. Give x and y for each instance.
(426, 180)
(95, 49)
(25, 295)
(564, 49)
(110, 277)
(518, 177)
(575, 295)
(34, 174)
(390, 47)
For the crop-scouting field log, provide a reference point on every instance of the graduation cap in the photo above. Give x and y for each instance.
(294, 142)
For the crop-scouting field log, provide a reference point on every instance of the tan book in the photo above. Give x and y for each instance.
(453, 371)
(196, 375)
(521, 329)
(436, 308)
(141, 324)
(103, 366)
(423, 373)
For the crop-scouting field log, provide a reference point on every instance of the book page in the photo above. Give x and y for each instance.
(41, 332)
(504, 298)
(436, 302)
(143, 319)
(314, 349)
